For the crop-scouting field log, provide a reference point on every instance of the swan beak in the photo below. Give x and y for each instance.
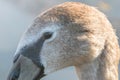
(25, 69)
(27, 63)
(15, 72)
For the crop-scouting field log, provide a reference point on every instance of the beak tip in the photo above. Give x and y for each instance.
(13, 76)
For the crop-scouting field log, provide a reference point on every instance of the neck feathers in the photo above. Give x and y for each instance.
(109, 59)
(105, 67)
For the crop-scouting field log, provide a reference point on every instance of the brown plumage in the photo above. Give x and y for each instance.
(82, 37)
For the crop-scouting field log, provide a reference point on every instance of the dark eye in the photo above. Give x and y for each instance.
(47, 35)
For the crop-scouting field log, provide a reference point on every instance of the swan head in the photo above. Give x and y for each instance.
(66, 35)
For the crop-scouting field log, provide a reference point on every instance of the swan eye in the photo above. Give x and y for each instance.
(47, 35)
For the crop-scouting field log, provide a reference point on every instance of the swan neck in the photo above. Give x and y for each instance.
(95, 71)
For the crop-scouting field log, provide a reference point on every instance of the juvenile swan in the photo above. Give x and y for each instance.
(69, 34)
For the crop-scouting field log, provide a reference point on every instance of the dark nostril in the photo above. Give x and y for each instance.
(47, 35)
(14, 75)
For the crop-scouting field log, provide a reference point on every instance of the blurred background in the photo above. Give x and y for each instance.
(17, 15)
